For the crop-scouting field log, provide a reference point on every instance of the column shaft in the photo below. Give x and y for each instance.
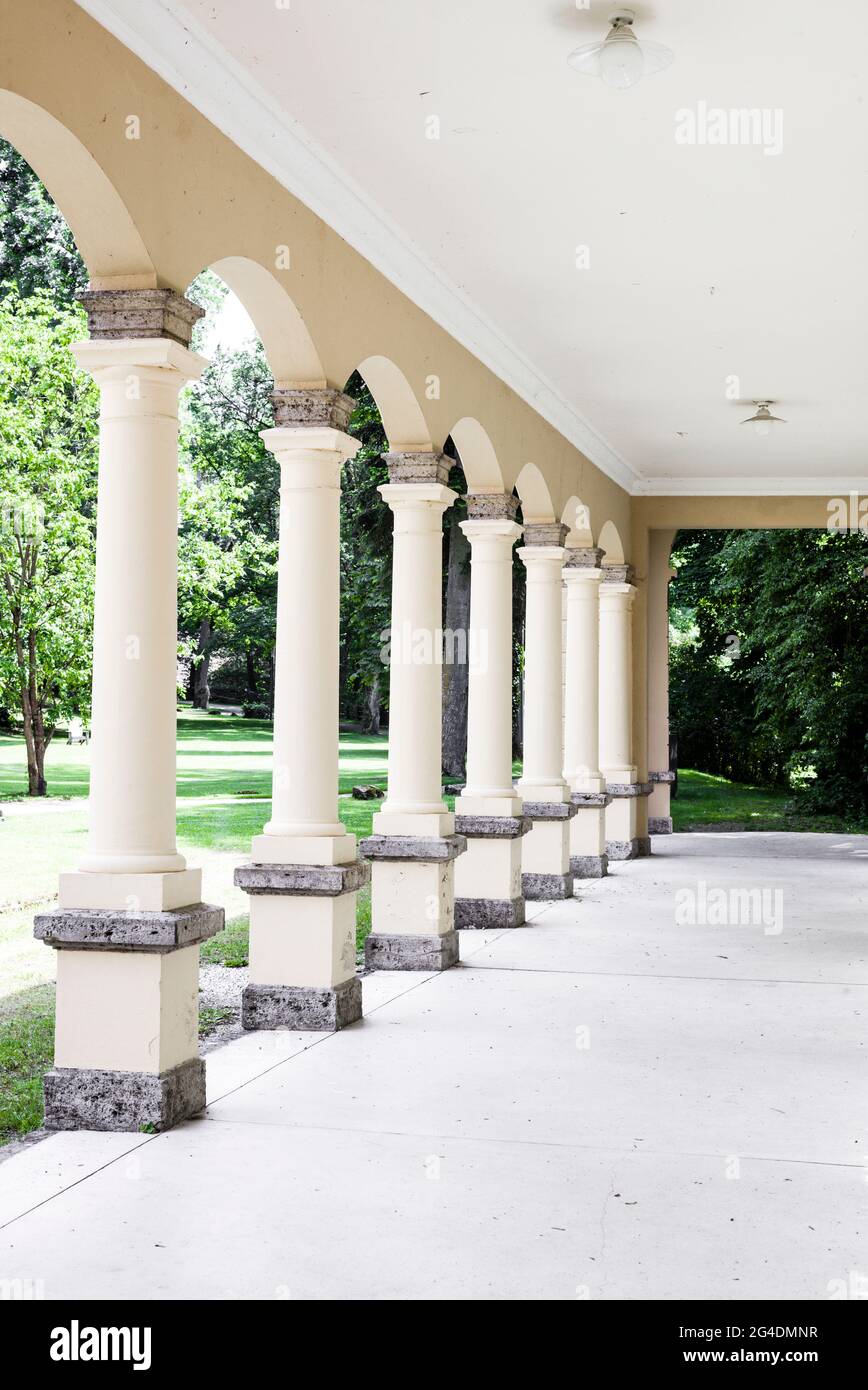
(616, 709)
(130, 920)
(304, 875)
(488, 877)
(582, 576)
(545, 851)
(413, 845)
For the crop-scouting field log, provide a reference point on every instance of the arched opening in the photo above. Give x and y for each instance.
(478, 458)
(610, 542)
(108, 240)
(400, 412)
(288, 346)
(578, 518)
(536, 501)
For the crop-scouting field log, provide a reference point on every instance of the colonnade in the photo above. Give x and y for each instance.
(130, 919)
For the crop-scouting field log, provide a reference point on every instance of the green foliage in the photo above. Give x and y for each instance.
(48, 440)
(37, 251)
(229, 508)
(26, 1052)
(366, 557)
(769, 663)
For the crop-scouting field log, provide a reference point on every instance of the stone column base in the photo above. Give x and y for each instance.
(488, 876)
(302, 945)
(301, 1008)
(622, 849)
(478, 913)
(409, 952)
(643, 847)
(589, 865)
(659, 825)
(413, 886)
(547, 887)
(84, 1098)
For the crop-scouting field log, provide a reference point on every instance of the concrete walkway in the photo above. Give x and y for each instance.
(605, 1104)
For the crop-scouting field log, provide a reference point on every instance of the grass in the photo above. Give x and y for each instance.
(26, 1051)
(705, 802)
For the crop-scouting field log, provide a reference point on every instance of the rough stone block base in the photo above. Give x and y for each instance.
(477, 913)
(547, 887)
(622, 849)
(659, 825)
(81, 1098)
(409, 952)
(298, 1007)
(589, 865)
(643, 847)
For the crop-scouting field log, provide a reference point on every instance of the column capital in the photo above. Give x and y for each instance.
(407, 495)
(538, 556)
(584, 557)
(285, 441)
(490, 529)
(491, 506)
(115, 359)
(140, 314)
(429, 467)
(307, 408)
(546, 534)
(619, 574)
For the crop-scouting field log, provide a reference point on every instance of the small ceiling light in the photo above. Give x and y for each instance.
(620, 59)
(763, 419)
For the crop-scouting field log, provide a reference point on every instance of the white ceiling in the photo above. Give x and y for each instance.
(706, 262)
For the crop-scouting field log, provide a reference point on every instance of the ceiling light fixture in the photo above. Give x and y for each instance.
(763, 419)
(620, 60)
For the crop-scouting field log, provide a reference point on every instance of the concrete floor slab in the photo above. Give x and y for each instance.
(602, 1105)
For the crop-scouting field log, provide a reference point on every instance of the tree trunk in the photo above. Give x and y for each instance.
(456, 653)
(518, 598)
(252, 682)
(35, 740)
(373, 720)
(201, 692)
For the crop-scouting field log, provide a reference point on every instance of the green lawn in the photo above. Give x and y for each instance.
(707, 802)
(224, 783)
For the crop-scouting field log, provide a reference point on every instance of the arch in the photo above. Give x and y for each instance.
(536, 501)
(289, 348)
(610, 542)
(105, 234)
(577, 516)
(399, 409)
(478, 459)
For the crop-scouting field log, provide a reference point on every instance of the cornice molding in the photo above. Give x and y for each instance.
(750, 487)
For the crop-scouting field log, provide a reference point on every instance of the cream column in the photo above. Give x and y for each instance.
(546, 850)
(130, 919)
(582, 577)
(659, 775)
(617, 593)
(414, 845)
(488, 877)
(304, 873)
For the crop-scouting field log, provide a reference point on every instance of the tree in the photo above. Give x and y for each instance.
(229, 508)
(456, 671)
(48, 438)
(366, 549)
(37, 251)
(768, 662)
